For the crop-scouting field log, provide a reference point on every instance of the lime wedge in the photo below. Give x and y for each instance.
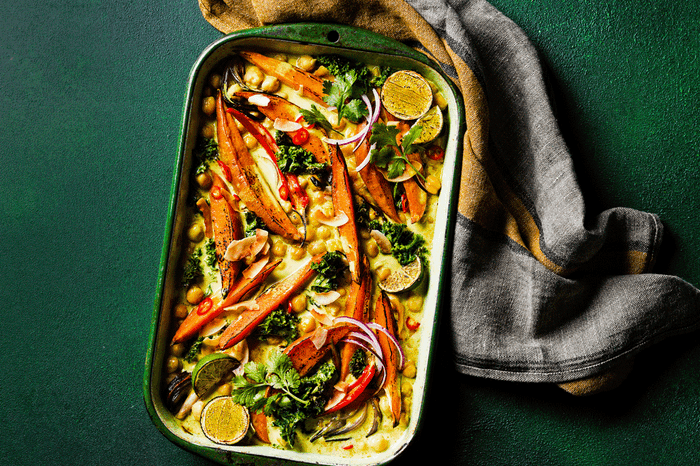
(224, 421)
(404, 279)
(406, 95)
(210, 370)
(431, 124)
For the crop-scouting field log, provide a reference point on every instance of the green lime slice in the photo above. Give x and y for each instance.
(406, 95)
(431, 124)
(404, 279)
(210, 370)
(224, 421)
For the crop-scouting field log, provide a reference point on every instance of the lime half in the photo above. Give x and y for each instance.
(210, 370)
(431, 125)
(224, 421)
(404, 279)
(406, 95)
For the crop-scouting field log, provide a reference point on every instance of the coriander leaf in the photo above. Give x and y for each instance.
(411, 135)
(252, 223)
(342, 95)
(355, 110)
(384, 135)
(314, 116)
(396, 167)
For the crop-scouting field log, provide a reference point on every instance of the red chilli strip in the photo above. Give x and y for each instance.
(225, 170)
(347, 447)
(412, 323)
(216, 192)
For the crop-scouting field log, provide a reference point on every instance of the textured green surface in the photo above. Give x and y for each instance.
(91, 98)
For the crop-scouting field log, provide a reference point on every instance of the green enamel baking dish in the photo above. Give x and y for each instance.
(312, 39)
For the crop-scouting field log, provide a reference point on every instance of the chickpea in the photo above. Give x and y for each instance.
(209, 105)
(253, 77)
(406, 389)
(371, 248)
(317, 247)
(194, 295)
(173, 364)
(310, 233)
(270, 84)
(342, 291)
(208, 131)
(178, 349)
(378, 443)
(232, 89)
(333, 309)
(197, 408)
(382, 272)
(250, 141)
(299, 303)
(281, 57)
(204, 180)
(409, 370)
(180, 311)
(215, 81)
(306, 62)
(195, 233)
(224, 389)
(279, 248)
(334, 245)
(414, 303)
(297, 253)
(323, 232)
(432, 184)
(307, 323)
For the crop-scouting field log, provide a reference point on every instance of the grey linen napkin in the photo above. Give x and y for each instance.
(542, 291)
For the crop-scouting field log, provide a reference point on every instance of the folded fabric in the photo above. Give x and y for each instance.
(542, 291)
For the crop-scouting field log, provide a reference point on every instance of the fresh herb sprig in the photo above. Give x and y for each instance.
(345, 97)
(385, 156)
(295, 398)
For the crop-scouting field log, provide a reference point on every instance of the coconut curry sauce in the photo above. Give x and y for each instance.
(305, 253)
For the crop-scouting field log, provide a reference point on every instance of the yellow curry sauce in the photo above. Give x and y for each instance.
(320, 225)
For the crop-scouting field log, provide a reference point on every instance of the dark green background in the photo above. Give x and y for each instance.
(91, 96)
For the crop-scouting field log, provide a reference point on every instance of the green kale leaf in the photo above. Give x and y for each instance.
(279, 323)
(192, 271)
(252, 223)
(330, 270)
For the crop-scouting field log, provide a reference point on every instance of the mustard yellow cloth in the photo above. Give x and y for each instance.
(541, 291)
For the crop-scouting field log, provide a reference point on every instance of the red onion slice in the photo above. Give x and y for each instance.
(365, 329)
(392, 339)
